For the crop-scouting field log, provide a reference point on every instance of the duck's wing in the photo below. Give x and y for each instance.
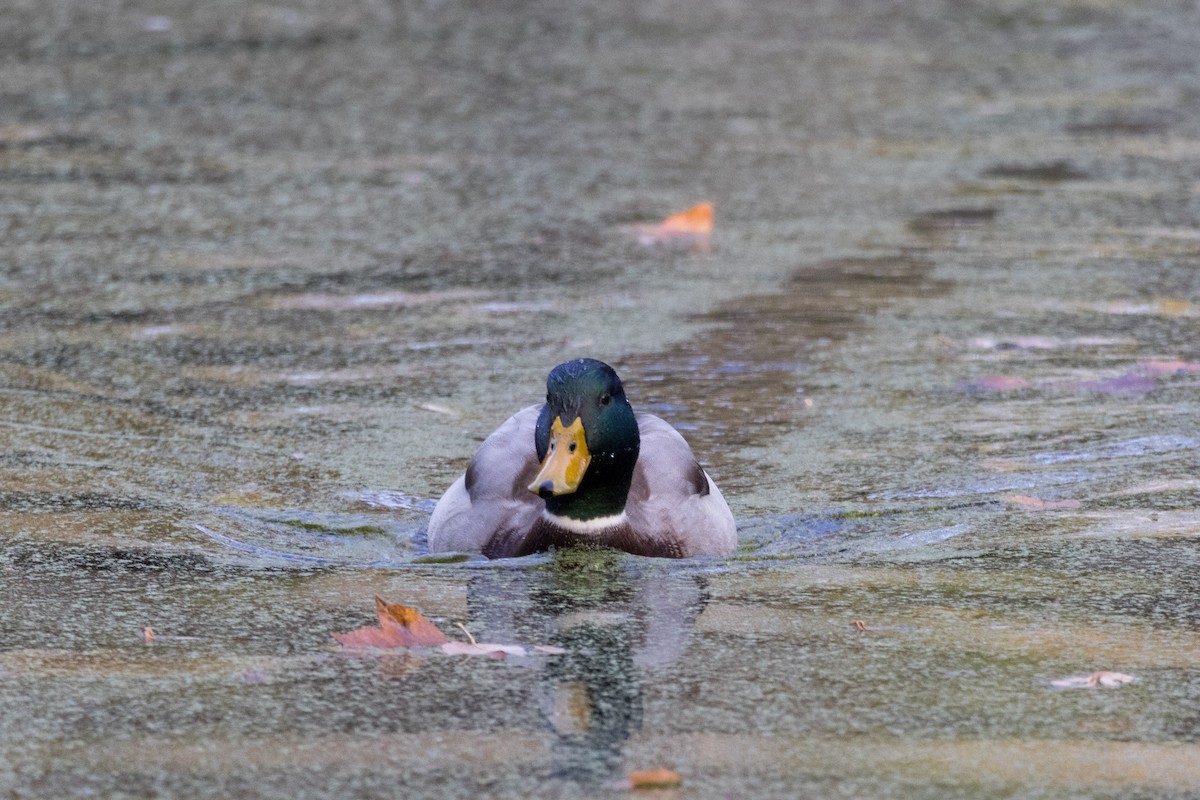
(673, 499)
(490, 508)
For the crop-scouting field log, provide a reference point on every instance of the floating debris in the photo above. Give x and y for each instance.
(1037, 504)
(402, 626)
(1051, 172)
(654, 779)
(1096, 679)
(693, 226)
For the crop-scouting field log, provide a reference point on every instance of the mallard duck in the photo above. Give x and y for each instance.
(583, 467)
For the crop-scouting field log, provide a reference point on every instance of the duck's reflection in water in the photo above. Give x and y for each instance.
(619, 618)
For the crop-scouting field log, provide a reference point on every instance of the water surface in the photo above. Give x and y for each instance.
(271, 272)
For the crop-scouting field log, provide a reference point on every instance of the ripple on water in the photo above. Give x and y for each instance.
(986, 486)
(1130, 448)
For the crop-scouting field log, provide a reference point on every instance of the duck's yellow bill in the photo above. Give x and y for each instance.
(566, 461)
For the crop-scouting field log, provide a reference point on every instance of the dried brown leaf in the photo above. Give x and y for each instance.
(654, 779)
(403, 626)
(692, 225)
(399, 626)
(1175, 307)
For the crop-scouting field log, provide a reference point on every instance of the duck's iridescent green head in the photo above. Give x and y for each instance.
(587, 441)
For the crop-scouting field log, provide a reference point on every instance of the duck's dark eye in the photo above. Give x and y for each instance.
(571, 447)
(605, 399)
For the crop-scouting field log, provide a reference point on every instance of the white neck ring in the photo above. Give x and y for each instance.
(585, 527)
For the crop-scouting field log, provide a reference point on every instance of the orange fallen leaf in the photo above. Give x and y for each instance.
(693, 225)
(1174, 307)
(402, 626)
(697, 219)
(1161, 306)
(1105, 679)
(654, 779)
(399, 626)
(1037, 504)
(148, 634)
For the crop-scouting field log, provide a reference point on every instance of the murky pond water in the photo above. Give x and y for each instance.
(271, 271)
